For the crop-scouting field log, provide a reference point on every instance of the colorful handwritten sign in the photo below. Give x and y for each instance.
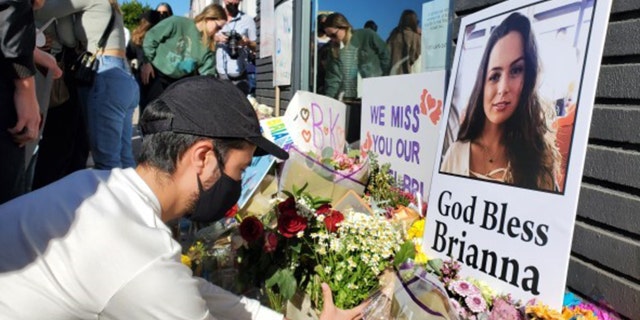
(401, 127)
(275, 130)
(316, 122)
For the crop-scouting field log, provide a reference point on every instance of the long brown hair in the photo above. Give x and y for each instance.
(210, 12)
(137, 36)
(339, 21)
(532, 155)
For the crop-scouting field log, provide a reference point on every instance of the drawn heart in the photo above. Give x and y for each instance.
(306, 135)
(366, 146)
(304, 113)
(340, 133)
(326, 131)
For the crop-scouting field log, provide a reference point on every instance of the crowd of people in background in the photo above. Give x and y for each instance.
(91, 124)
(346, 54)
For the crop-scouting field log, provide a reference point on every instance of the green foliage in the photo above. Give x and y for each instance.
(131, 12)
(407, 251)
(383, 188)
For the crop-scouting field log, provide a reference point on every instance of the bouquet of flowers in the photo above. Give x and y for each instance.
(331, 174)
(304, 242)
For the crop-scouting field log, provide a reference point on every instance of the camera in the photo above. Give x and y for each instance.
(233, 43)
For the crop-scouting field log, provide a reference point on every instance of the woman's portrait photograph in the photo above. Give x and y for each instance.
(515, 96)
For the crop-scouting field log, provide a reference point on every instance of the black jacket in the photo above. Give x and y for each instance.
(17, 39)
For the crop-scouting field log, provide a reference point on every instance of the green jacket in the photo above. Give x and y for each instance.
(373, 60)
(175, 48)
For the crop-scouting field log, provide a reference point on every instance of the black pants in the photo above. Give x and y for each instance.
(12, 157)
(64, 147)
(158, 84)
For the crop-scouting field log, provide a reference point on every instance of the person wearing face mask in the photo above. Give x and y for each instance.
(95, 244)
(235, 42)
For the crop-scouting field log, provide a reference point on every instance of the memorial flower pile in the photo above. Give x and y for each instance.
(304, 242)
(344, 163)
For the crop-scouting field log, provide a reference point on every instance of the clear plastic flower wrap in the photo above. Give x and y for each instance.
(410, 293)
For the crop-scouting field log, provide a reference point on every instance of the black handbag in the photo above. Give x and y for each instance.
(86, 66)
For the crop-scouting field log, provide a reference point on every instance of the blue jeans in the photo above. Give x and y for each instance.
(110, 104)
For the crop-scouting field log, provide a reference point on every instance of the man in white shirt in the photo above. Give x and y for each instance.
(94, 245)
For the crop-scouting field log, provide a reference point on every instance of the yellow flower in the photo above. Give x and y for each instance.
(421, 257)
(541, 311)
(579, 314)
(186, 260)
(417, 229)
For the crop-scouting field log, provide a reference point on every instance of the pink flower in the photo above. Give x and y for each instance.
(464, 288)
(270, 242)
(476, 303)
(503, 310)
(460, 311)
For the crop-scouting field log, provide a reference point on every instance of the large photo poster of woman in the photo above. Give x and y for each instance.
(507, 176)
(515, 95)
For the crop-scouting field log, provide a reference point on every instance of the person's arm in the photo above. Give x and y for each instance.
(47, 61)
(226, 305)
(332, 77)
(164, 289)
(252, 35)
(382, 50)
(156, 35)
(208, 64)
(17, 44)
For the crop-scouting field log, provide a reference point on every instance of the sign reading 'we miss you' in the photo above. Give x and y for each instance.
(402, 126)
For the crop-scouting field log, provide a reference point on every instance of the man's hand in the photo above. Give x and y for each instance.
(46, 60)
(220, 38)
(147, 73)
(331, 312)
(28, 110)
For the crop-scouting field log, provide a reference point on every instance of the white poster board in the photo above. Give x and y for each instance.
(516, 233)
(436, 28)
(315, 122)
(267, 28)
(282, 58)
(402, 127)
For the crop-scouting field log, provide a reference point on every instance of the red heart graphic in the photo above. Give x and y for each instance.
(431, 102)
(423, 106)
(306, 135)
(366, 146)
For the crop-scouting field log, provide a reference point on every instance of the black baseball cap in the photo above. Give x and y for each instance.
(210, 107)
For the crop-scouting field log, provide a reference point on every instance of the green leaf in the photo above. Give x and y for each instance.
(435, 265)
(289, 194)
(327, 153)
(285, 281)
(353, 153)
(407, 251)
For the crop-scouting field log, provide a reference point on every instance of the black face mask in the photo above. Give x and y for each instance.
(214, 203)
(232, 9)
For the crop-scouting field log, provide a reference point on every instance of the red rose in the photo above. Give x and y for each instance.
(290, 223)
(324, 209)
(332, 219)
(270, 242)
(251, 229)
(232, 212)
(290, 203)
